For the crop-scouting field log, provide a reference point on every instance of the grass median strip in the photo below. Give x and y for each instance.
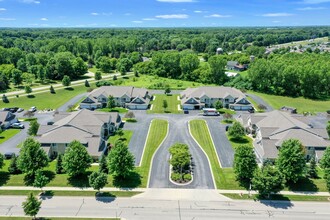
(172, 101)
(7, 134)
(157, 133)
(201, 133)
(278, 197)
(70, 193)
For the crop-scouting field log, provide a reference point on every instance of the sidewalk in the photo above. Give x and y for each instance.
(298, 193)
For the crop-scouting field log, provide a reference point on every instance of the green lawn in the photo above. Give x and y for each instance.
(126, 137)
(155, 82)
(224, 178)
(243, 141)
(172, 101)
(70, 193)
(158, 131)
(7, 134)
(277, 197)
(302, 104)
(225, 110)
(55, 218)
(117, 109)
(47, 100)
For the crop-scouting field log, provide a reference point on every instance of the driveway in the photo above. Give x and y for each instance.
(178, 132)
(73, 101)
(221, 143)
(260, 101)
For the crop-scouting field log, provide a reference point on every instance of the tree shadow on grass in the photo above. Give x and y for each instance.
(239, 140)
(4, 177)
(304, 184)
(31, 96)
(276, 201)
(28, 179)
(69, 89)
(80, 181)
(49, 174)
(132, 181)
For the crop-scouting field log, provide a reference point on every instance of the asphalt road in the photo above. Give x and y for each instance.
(142, 208)
(221, 143)
(259, 100)
(178, 133)
(73, 101)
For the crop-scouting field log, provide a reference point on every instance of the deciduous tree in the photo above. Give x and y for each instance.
(98, 180)
(66, 81)
(291, 160)
(244, 163)
(40, 180)
(76, 159)
(121, 160)
(31, 206)
(111, 102)
(34, 127)
(325, 160)
(236, 131)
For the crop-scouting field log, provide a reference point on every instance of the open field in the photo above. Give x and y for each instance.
(7, 134)
(46, 100)
(302, 104)
(158, 131)
(302, 43)
(155, 82)
(172, 101)
(224, 178)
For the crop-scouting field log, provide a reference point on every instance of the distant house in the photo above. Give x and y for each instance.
(6, 119)
(271, 129)
(88, 127)
(124, 96)
(234, 65)
(205, 97)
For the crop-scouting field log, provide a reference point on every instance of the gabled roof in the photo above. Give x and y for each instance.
(232, 63)
(212, 92)
(6, 116)
(119, 91)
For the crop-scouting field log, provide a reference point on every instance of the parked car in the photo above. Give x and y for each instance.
(5, 109)
(227, 127)
(20, 110)
(251, 110)
(33, 109)
(17, 125)
(185, 111)
(13, 109)
(9, 155)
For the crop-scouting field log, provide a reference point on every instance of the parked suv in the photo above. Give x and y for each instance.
(17, 125)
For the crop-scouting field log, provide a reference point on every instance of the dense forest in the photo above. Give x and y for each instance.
(189, 54)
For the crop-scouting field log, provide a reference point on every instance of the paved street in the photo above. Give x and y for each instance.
(260, 101)
(179, 206)
(221, 143)
(178, 132)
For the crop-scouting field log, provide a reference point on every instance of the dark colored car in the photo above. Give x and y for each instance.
(9, 155)
(251, 110)
(13, 110)
(185, 111)
(227, 127)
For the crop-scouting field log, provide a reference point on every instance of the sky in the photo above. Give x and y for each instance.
(163, 13)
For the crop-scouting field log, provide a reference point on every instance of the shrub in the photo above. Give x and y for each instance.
(187, 177)
(132, 120)
(175, 177)
(129, 114)
(103, 83)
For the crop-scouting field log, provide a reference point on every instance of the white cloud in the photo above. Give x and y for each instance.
(137, 22)
(218, 16)
(44, 19)
(3, 9)
(149, 19)
(277, 15)
(310, 8)
(176, 1)
(314, 1)
(198, 11)
(7, 19)
(173, 16)
(31, 1)
(95, 13)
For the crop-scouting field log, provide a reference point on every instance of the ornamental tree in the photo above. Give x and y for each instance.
(244, 163)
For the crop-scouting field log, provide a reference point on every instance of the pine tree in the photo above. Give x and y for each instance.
(103, 165)
(87, 83)
(59, 167)
(31, 206)
(13, 168)
(51, 89)
(312, 172)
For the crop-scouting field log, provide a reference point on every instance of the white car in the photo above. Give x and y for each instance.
(33, 109)
(17, 125)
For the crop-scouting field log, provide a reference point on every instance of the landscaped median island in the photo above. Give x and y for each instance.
(157, 133)
(7, 134)
(180, 163)
(224, 178)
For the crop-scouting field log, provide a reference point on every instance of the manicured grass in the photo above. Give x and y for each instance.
(155, 82)
(158, 131)
(255, 104)
(223, 177)
(46, 100)
(70, 193)
(126, 137)
(242, 141)
(7, 134)
(302, 104)
(277, 197)
(225, 110)
(172, 101)
(117, 109)
(55, 218)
